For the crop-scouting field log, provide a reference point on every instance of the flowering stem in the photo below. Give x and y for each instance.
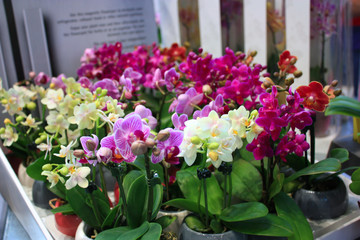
(166, 176)
(102, 180)
(149, 177)
(95, 210)
(122, 193)
(158, 115)
(93, 169)
(225, 186)
(230, 190)
(206, 204)
(43, 114)
(312, 143)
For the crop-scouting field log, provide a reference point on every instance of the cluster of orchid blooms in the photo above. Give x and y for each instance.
(226, 93)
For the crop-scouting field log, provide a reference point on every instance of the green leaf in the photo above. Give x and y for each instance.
(216, 226)
(276, 185)
(247, 181)
(343, 105)
(34, 170)
(157, 200)
(186, 204)
(290, 212)
(195, 223)
(165, 221)
(326, 165)
(270, 225)
(244, 211)
(79, 200)
(59, 189)
(130, 178)
(340, 154)
(245, 154)
(355, 185)
(110, 218)
(190, 187)
(153, 232)
(295, 162)
(123, 233)
(64, 209)
(137, 202)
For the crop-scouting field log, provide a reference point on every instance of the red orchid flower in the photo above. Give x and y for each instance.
(314, 96)
(284, 63)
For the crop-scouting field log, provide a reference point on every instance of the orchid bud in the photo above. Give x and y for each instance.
(337, 92)
(38, 141)
(2, 130)
(32, 74)
(52, 85)
(293, 61)
(156, 152)
(19, 119)
(207, 89)
(59, 118)
(213, 146)
(253, 53)
(91, 145)
(46, 167)
(195, 140)
(4, 101)
(31, 106)
(163, 135)
(104, 154)
(98, 90)
(150, 143)
(254, 114)
(334, 83)
(64, 171)
(7, 121)
(79, 153)
(43, 137)
(276, 74)
(213, 156)
(289, 81)
(103, 92)
(139, 147)
(297, 73)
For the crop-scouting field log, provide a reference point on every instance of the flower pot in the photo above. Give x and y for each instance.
(42, 195)
(24, 178)
(187, 233)
(82, 232)
(325, 125)
(325, 204)
(66, 224)
(258, 237)
(174, 226)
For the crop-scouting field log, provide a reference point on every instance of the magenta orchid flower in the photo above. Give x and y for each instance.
(108, 84)
(90, 145)
(126, 132)
(41, 79)
(187, 101)
(85, 82)
(169, 149)
(58, 82)
(146, 115)
(109, 142)
(179, 121)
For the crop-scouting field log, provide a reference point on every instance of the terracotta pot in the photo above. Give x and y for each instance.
(174, 226)
(327, 204)
(187, 233)
(66, 224)
(24, 178)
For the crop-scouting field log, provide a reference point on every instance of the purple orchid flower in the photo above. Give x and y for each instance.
(58, 82)
(41, 79)
(85, 82)
(260, 146)
(169, 149)
(108, 84)
(171, 79)
(187, 101)
(109, 142)
(146, 114)
(90, 145)
(127, 131)
(179, 121)
(104, 154)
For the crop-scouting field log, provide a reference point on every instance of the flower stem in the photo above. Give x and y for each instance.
(225, 186)
(230, 190)
(206, 204)
(122, 193)
(102, 180)
(149, 177)
(158, 115)
(95, 210)
(166, 176)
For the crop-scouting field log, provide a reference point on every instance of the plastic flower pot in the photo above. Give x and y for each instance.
(24, 178)
(66, 224)
(42, 195)
(329, 202)
(83, 232)
(174, 226)
(187, 233)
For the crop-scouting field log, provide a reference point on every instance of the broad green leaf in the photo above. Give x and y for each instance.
(276, 185)
(340, 154)
(343, 105)
(130, 178)
(136, 201)
(157, 200)
(165, 221)
(195, 223)
(190, 187)
(64, 209)
(124, 233)
(245, 154)
(59, 189)
(216, 226)
(186, 204)
(109, 220)
(326, 165)
(287, 209)
(355, 185)
(244, 211)
(153, 232)
(295, 162)
(247, 181)
(270, 225)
